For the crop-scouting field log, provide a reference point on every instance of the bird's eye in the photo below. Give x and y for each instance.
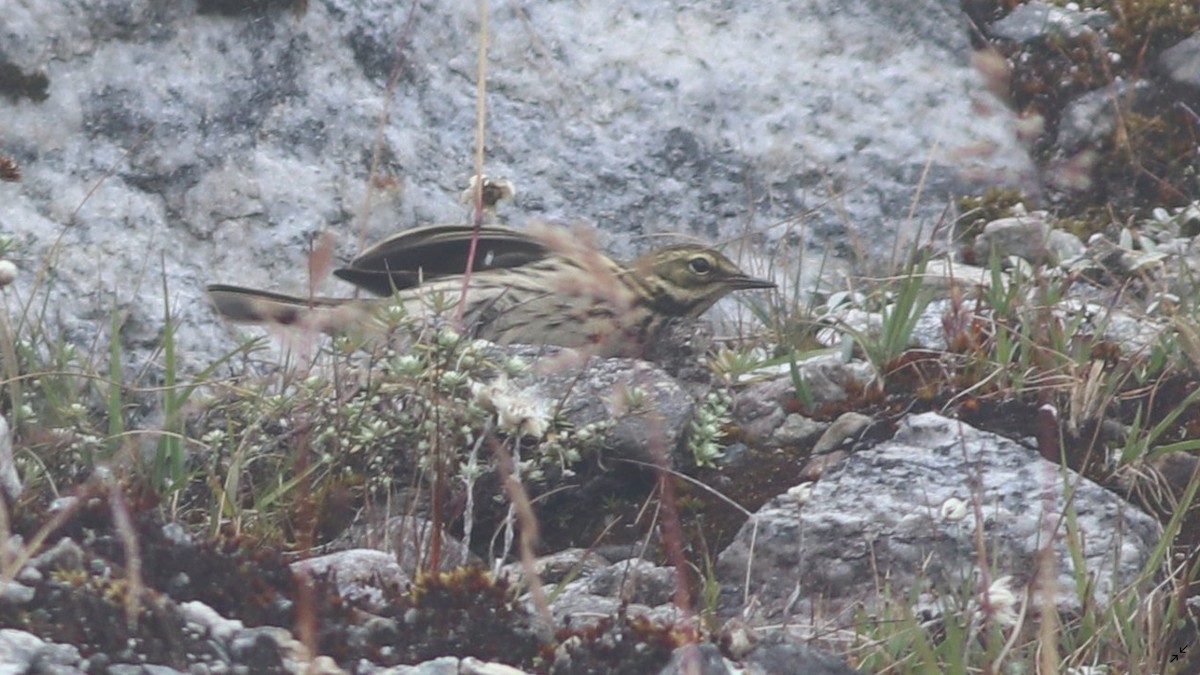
(700, 266)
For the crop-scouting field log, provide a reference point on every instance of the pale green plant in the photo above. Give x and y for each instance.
(708, 428)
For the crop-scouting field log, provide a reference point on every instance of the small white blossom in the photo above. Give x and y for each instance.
(213, 437)
(516, 413)
(954, 509)
(802, 493)
(520, 416)
(8, 272)
(1002, 602)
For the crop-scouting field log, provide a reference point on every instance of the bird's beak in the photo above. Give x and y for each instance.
(745, 282)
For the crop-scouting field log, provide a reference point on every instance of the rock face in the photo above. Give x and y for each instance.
(901, 514)
(214, 146)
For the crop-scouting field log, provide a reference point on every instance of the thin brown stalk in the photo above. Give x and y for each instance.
(480, 139)
(123, 524)
(529, 529)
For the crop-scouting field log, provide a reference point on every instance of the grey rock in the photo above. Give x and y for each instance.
(852, 321)
(147, 669)
(1089, 120)
(208, 621)
(761, 407)
(450, 665)
(29, 575)
(64, 555)
(637, 587)
(10, 480)
(1034, 20)
(407, 540)
(20, 650)
(1156, 255)
(696, 659)
(473, 666)
(797, 430)
(362, 575)
(681, 350)
(1181, 62)
(1030, 237)
(264, 646)
(635, 580)
(930, 330)
(445, 665)
(642, 412)
(176, 534)
(224, 144)
(1133, 332)
(827, 376)
(942, 274)
(878, 515)
(1062, 247)
(577, 608)
(14, 593)
(845, 430)
(619, 551)
(554, 568)
(777, 655)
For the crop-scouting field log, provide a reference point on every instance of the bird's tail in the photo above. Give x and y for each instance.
(248, 305)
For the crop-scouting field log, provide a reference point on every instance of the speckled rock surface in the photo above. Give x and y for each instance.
(214, 147)
(880, 515)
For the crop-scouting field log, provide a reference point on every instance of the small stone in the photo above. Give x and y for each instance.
(8, 272)
(845, 428)
(796, 430)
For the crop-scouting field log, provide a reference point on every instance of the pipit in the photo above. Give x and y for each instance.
(547, 287)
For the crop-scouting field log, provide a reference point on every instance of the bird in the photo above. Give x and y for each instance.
(549, 286)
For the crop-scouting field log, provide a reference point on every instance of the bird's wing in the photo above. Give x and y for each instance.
(411, 257)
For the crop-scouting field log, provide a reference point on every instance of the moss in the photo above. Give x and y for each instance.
(82, 599)
(1050, 72)
(617, 645)
(996, 203)
(1145, 28)
(975, 212)
(1149, 158)
(465, 612)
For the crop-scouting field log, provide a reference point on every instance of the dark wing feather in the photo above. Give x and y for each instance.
(427, 253)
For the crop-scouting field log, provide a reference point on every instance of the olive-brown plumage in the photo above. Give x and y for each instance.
(544, 288)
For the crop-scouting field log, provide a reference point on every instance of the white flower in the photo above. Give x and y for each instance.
(802, 493)
(520, 416)
(517, 414)
(1001, 602)
(8, 272)
(954, 509)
